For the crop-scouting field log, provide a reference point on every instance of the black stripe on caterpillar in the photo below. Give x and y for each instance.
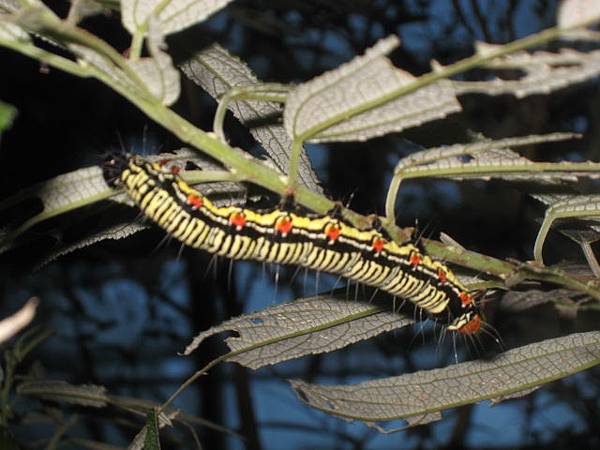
(321, 242)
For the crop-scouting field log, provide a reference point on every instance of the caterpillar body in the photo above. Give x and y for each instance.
(325, 243)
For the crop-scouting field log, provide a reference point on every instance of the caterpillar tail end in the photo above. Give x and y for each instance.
(467, 323)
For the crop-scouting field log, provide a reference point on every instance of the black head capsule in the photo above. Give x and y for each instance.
(113, 166)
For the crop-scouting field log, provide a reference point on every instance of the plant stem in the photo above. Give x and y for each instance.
(476, 60)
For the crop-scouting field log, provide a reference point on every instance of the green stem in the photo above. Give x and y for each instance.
(44, 22)
(499, 170)
(390, 200)
(474, 61)
(403, 168)
(549, 219)
(135, 51)
(208, 176)
(242, 165)
(64, 64)
(249, 92)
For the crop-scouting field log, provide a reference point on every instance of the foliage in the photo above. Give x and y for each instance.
(363, 99)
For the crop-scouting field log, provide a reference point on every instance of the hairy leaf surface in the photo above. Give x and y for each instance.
(419, 395)
(335, 106)
(493, 159)
(303, 327)
(173, 15)
(544, 72)
(86, 186)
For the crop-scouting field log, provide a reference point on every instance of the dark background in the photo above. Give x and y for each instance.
(122, 310)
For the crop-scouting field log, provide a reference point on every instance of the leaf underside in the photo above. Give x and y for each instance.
(423, 395)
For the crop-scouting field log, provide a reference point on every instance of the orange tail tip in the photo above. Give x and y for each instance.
(472, 326)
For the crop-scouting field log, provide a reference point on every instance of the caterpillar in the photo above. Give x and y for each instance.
(320, 242)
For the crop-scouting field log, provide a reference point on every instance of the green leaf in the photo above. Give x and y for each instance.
(173, 15)
(303, 327)
(157, 71)
(545, 72)
(57, 390)
(218, 72)
(494, 159)
(360, 100)
(421, 396)
(152, 441)
(9, 6)
(86, 186)
(7, 116)
(572, 12)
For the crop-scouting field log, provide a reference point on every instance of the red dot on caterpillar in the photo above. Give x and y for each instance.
(333, 232)
(195, 201)
(238, 219)
(472, 326)
(284, 225)
(378, 244)
(466, 299)
(415, 259)
(442, 277)
(175, 170)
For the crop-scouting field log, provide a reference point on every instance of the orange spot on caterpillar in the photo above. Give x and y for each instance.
(238, 220)
(378, 245)
(415, 259)
(442, 277)
(175, 170)
(195, 201)
(472, 326)
(466, 299)
(284, 225)
(333, 232)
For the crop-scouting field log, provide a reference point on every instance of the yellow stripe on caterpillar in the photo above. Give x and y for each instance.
(325, 243)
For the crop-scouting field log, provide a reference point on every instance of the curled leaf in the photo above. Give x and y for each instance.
(11, 325)
(564, 207)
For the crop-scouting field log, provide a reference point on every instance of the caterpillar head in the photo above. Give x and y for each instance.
(113, 166)
(466, 316)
